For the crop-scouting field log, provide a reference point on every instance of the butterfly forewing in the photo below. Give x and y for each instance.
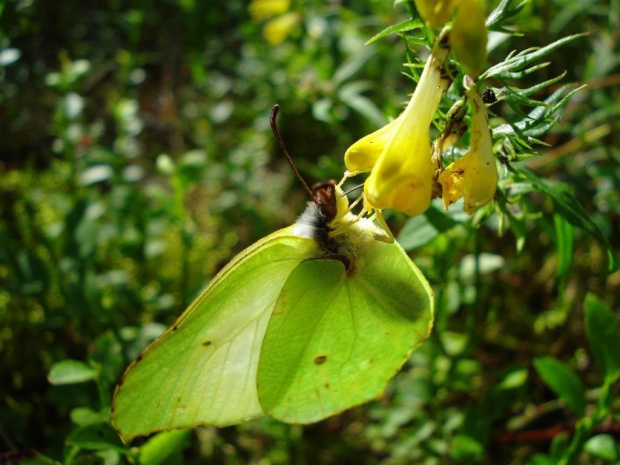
(337, 336)
(203, 369)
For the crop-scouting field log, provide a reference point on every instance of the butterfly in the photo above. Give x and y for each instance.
(309, 321)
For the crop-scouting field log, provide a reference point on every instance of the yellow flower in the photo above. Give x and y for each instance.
(276, 30)
(402, 177)
(265, 9)
(363, 154)
(473, 176)
(468, 37)
(435, 12)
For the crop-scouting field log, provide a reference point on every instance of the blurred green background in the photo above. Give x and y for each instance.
(136, 160)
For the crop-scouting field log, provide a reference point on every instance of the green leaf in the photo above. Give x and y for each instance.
(542, 459)
(519, 61)
(107, 352)
(94, 437)
(513, 380)
(565, 238)
(563, 382)
(504, 11)
(466, 448)
(404, 26)
(521, 96)
(602, 446)
(519, 75)
(83, 416)
(71, 372)
(604, 336)
(95, 174)
(163, 445)
(559, 444)
(483, 263)
(454, 343)
(515, 97)
(571, 209)
(541, 85)
(351, 94)
(351, 66)
(420, 230)
(541, 118)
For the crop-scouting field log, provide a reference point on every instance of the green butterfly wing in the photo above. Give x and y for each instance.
(335, 339)
(202, 370)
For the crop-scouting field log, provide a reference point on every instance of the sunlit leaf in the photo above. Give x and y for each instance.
(71, 372)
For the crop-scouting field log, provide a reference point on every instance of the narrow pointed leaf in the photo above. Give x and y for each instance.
(563, 382)
(404, 26)
(604, 336)
(570, 208)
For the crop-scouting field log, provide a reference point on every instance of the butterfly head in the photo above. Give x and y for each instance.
(327, 207)
(325, 198)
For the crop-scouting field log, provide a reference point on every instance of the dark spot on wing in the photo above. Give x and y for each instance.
(320, 360)
(207, 343)
(326, 385)
(175, 327)
(139, 358)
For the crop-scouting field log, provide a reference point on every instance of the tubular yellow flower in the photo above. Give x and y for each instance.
(402, 177)
(435, 12)
(468, 37)
(474, 175)
(363, 154)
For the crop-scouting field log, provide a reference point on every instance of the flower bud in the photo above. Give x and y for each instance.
(473, 176)
(435, 12)
(468, 37)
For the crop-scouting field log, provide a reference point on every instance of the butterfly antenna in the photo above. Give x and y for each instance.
(353, 189)
(274, 128)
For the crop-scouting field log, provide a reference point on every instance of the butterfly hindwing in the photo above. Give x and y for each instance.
(337, 336)
(202, 370)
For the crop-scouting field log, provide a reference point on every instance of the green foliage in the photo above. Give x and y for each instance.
(603, 333)
(137, 160)
(563, 381)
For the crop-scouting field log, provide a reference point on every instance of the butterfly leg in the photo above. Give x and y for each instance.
(387, 236)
